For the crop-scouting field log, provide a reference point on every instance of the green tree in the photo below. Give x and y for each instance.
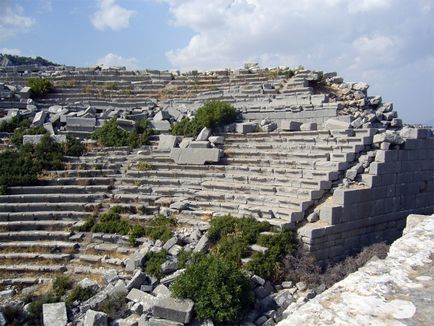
(39, 86)
(220, 290)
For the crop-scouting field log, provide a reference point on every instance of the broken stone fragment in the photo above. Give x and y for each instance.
(54, 314)
(95, 318)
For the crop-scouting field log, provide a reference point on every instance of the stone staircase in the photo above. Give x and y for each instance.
(37, 237)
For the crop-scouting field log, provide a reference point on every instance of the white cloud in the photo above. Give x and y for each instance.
(110, 15)
(10, 51)
(114, 60)
(12, 20)
(376, 40)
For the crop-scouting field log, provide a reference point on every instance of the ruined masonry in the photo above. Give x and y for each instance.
(309, 152)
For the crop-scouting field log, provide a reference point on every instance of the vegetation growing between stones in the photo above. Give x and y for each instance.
(111, 134)
(79, 294)
(39, 86)
(220, 289)
(153, 263)
(212, 114)
(21, 166)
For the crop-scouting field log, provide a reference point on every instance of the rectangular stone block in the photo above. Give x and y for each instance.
(174, 309)
(331, 214)
(54, 314)
(289, 125)
(198, 156)
(246, 127)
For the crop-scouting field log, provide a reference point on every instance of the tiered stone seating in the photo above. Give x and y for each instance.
(36, 222)
(268, 175)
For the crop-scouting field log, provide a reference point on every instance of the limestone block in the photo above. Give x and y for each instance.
(161, 322)
(95, 318)
(162, 115)
(39, 118)
(198, 156)
(146, 299)
(204, 134)
(333, 123)
(167, 142)
(414, 133)
(390, 137)
(246, 127)
(161, 291)
(202, 245)
(49, 127)
(289, 125)
(137, 280)
(174, 309)
(54, 314)
(199, 144)
(32, 139)
(163, 126)
(185, 142)
(308, 126)
(217, 140)
(397, 123)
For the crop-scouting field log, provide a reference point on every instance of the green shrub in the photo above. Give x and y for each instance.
(159, 227)
(39, 86)
(136, 231)
(269, 265)
(153, 263)
(111, 135)
(219, 288)
(17, 137)
(111, 222)
(61, 284)
(212, 114)
(114, 306)
(112, 86)
(21, 167)
(79, 294)
(87, 226)
(14, 123)
(73, 147)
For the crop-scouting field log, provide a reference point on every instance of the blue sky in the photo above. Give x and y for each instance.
(387, 43)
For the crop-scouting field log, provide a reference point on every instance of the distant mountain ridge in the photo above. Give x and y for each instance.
(7, 60)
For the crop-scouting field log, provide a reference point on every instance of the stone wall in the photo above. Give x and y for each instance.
(399, 183)
(395, 291)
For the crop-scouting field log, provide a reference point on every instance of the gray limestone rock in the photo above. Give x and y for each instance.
(202, 245)
(174, 309)
(333, 123)
(197, 156)
(313, 217)
(167, 142)
(246, 127)
(289, 125)
(217, 140)
(146, 299)
(95, 318)
(204, 134)
(308, 126)
(54, 314)
(137, 280)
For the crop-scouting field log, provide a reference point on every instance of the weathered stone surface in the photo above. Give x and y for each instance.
(332, 124)
(88, 284)
(289, 125)
(198, 156)
(217, 140)
(390, 137)
(174, 309)
(162, 322)
(146, 299)
(54, 314)
(245, 127)
(307, 126)
(167, 142)
(95, 318)
(202, 245)
(392, 291)
(204, 134)
(137, 280)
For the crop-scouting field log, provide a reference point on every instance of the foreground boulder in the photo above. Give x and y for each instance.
(174, 309)
(54, 314)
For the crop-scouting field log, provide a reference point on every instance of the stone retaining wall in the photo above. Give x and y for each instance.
(399, 183)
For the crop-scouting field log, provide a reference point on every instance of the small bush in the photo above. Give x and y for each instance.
(79, 294)
(220, 289)
(39, 86)
(87, 226)
(269, 265)
(17, 137)
(111, 222)
(212, 114)
(14, 123)
(153, 263)
(136, 231)
(61, 284)
(111, 135)
(110, 86)
(73, 147)
(159, 228)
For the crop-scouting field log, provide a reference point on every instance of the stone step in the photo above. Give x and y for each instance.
(43, 216)
(23, 256)
(51, 246)
(36, 225)
(22, 281)
(34, 235)
(77, 181)
(247, 153)
(24, 268)
(42, 207)
(61, 189)
(51, 198)
(93, 166)
(83, 173)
